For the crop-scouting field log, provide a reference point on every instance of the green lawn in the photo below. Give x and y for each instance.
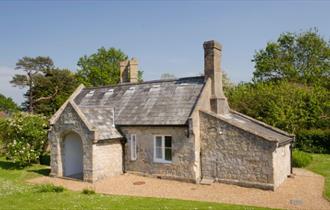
(16, 194)
(321, 165)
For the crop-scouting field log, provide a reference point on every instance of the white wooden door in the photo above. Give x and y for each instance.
(73, 156)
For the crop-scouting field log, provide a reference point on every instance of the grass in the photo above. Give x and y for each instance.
(49, 188)
(88, 191)
(15, 193)
(301, 159)
(321, 165)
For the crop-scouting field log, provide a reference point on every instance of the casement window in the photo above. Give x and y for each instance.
(133, 147)
(163, 149)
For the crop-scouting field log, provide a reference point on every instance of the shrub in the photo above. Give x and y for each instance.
(24, 136)
(45, 159)
(50, 188)
(87, 191)
(301, 159)
(313, 141)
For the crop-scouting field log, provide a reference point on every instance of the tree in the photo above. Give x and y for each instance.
(101, 68)
(303, 58)
(52, 89)
(7, 105)
(286, 105)
(25, 137)
(33, 67)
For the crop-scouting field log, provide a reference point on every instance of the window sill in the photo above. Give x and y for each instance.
(162, 161)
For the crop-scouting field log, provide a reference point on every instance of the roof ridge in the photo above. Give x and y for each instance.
(146, 82)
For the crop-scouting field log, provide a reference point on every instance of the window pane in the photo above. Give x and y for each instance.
(168, 141)
(159, 153)
(168, 154)
(158, 141)
(133, 147)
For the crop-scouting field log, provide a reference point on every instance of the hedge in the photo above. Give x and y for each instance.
(313, 141)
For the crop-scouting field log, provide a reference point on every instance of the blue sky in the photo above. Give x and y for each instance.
(165, 36)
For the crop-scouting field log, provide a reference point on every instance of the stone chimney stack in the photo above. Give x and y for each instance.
(212, 70)
(133, 70)
(129, 71)
(123, 71)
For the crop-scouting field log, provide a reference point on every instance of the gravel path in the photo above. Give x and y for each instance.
(304, 191)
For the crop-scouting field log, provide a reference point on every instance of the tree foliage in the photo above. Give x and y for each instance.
(51, 90)
(48, 86)
(288, 106)
(24, 136)
(102, 68)
(302, 57)
(32, 67)
(290, 88)
(7, 105)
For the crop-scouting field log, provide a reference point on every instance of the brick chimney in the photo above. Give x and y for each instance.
(129, 71)
(212, 70)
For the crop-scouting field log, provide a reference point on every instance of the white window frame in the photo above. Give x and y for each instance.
(162, 160)
(133, 146)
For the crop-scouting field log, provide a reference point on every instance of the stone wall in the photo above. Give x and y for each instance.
(204, 104)
(107, 159)
(183, 156)
(68, 122)
(282, 164)
(231, 155)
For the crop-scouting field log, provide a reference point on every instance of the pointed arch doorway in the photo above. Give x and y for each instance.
(73, 156)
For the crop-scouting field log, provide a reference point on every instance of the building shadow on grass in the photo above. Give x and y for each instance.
(43, 171)
(9, 165)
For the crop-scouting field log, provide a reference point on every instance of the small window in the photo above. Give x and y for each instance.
(133, 147)
(163, 149)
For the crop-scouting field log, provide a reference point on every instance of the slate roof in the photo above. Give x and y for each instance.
(255, 127)
(162, 102)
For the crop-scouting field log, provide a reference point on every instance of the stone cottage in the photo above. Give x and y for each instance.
(179, 129)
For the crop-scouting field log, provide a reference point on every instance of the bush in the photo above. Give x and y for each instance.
(313, 141)
(50, 188)
(44, 159)
(301, 159)
(88, 191)
(24, 136)
(285, 105)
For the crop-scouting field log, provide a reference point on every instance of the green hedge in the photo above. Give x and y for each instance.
(301, 159)
(313, 141)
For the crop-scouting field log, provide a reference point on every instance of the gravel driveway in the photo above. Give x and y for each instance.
(304, 191)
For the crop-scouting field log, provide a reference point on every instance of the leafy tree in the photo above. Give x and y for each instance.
(226, 82)
(32, 67)
(25, 137)
(102, 68)
(288, 106)
(48, 86)
(52, 89)
(7, 105)
(303, 58)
